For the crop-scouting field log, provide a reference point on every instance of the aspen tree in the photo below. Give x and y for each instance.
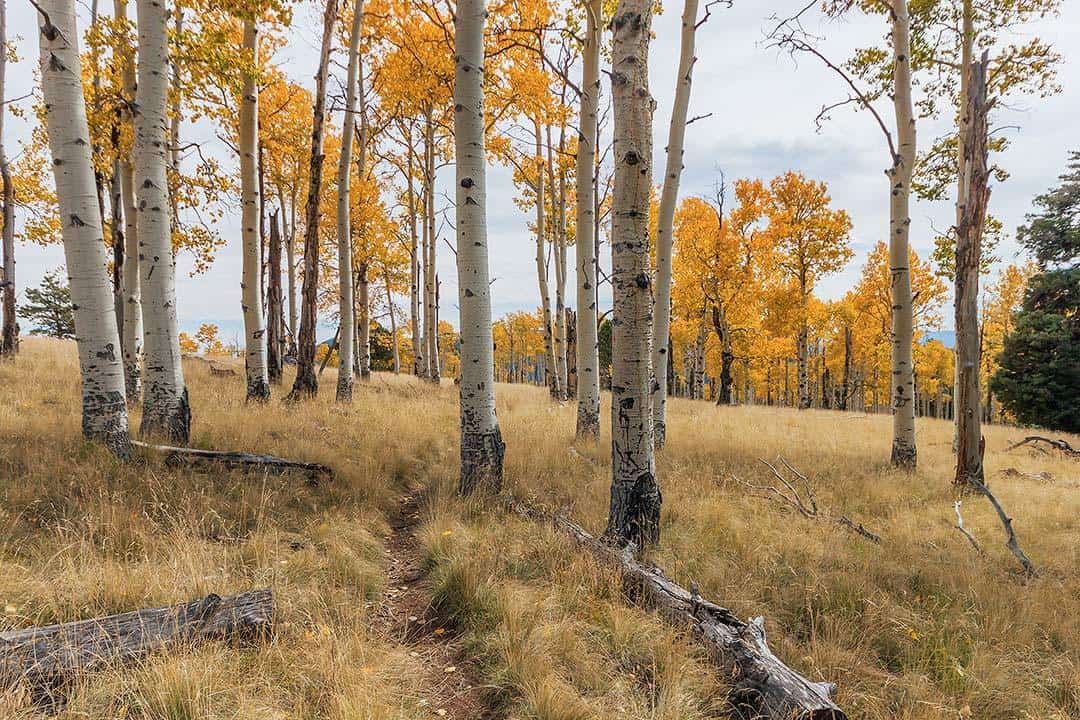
(558, 255)
(634, 514)
(255, 356)
(9, 336)
(132, 331)
(542, 269)
(904, 453)
(307, 383)
(165, 400)
(104, 409)
(482, 445)
(344, 235)
(431, 280)
(588, 359)
(274, 331)
(419, 348)
(669, 196)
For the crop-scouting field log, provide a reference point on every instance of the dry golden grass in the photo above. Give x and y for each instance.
(917, 627)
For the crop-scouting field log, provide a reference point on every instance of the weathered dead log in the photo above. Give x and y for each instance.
(44, 658)
(241, 460)
(761, 683)
(1057, 444)
(215, 370)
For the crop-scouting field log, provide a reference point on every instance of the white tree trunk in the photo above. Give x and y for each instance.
(431, 309)
(669, 197)
(550, 368)
(588, 359)
(393, 321)
(481, 440)
(558, 254)
(258, 380)
(363, 325)
(290, 271)
(634, 514)
(104, 411)
(132, 331)
(165, 402)
(9, 338)
(344, 233)
(419, 349)
(904, 452)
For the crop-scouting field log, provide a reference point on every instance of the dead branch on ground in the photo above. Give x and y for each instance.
(960, 526)
(797, 493)
(1057, 444)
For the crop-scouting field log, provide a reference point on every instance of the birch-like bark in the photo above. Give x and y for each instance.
(274, 334)
(904, 452)
(104, 410)
(346, 301)
(969, 467)
(419, 349)
(393, 321)
(558, 254)
(290, 271)
(258, 379)
(550, 368)
(802, 369)
(363, 324)
(588, 345)
(482, 446)
(634, 514)
(9, 335)
(132, 331)
(165, 400)
(431, 306)
(116, 228)
(306, 384)
(669, 197)
(174, 118)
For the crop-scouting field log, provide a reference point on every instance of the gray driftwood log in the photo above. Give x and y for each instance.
(761, 682)
(241, 460)
(44, 658)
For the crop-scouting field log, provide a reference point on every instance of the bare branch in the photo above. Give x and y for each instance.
(963, 530)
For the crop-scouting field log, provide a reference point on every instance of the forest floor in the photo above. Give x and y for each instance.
(916, 627)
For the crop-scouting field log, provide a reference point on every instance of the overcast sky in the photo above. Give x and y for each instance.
(763, 104)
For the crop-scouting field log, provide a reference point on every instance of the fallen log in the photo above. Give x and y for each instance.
(46, 657)
(1057, 444)
(242, 460)
(761, 683)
